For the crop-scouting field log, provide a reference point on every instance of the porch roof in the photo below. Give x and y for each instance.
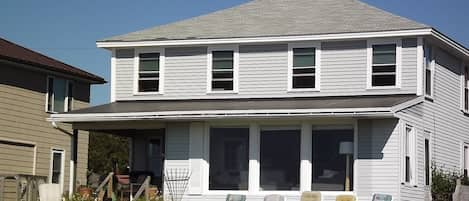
(219, 108)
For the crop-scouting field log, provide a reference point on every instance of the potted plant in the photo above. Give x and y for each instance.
(85, 191)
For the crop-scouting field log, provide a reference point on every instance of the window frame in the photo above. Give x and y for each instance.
(66, 99)
(235, 49)
(464, 87)
(463, 156)
(137, 53)
(207, 155)
(62, 167)
(431, 68)
(427, 137)
(255, 128)
(412, 149)
(317, 67)
(369, 71)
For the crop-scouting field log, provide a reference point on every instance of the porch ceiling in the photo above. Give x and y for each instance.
(241, 108)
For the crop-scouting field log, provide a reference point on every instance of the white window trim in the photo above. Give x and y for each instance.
(53, 95)
(137, 53)
(432, 69)
(235, 49)
(428, 136)
(369, 62)
(306, 128)
(464, 143)
(67, 83)
(62, 168)
(317, 46)
(463, 68)
(412, 150)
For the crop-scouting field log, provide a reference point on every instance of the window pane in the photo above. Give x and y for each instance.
(384, 54)
(384, 69)
(303, 57)
(229, 158)
(147, 85)
(303, 70)
(407, 151)
(384, 80)
(149, 75)
(56, 167)
(70, 97)
(59, 95)
(329, 164)
(222, 59)
(304, 82)
(280, 160)
(222, 85)
(222, 74)
(223, 64)
(149, 65)
(428, 82)
(50, 91)
(427, 162)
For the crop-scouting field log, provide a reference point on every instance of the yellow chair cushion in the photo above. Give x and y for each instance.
(345, 198)
(311, 196)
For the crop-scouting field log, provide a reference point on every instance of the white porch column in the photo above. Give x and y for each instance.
(254, 158)
(73, 162)
(306, 157)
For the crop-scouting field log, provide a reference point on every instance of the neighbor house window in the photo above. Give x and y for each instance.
(466, 88)
(59, 95)
(384, 65)
(409, 154)
(57, 167)
(223, 70)
(329, 166)
(149, 72)
(229, 159)
(427, 162)
(429, 69)
(280, 160)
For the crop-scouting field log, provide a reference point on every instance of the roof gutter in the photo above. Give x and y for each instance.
(336, 36)
(220, 114)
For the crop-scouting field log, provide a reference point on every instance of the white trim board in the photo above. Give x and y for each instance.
(335, 36)
(342, 112)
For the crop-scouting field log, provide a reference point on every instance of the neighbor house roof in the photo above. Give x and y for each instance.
(271, 107)
(18, 54)
(261, 18)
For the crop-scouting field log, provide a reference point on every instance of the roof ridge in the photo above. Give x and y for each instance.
(48, 57)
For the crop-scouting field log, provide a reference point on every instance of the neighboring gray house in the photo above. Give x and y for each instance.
(272, 97)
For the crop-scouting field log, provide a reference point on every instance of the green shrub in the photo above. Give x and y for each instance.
(444, 183)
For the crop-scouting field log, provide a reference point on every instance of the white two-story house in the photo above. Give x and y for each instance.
(282, 97)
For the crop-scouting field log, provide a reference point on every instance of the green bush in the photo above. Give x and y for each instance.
(444, 183)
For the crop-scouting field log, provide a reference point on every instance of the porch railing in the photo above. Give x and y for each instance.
(144, 188)
(100, 190)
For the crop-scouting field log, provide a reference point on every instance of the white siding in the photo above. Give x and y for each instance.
(263, 72)
(377, 166)
(442, 117)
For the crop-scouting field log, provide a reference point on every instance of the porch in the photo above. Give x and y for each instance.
(351, 150)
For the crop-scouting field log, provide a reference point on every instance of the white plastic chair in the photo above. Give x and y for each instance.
(50, 192)
(274, 197)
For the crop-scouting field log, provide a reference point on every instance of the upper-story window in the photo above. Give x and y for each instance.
(149, 72)
(384, 64)
(466, 88)
(59, 95)
(429, 70)
(303, 67)
(223, 66)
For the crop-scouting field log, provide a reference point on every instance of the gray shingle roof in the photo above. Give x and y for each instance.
(249, 104)
(278, 18)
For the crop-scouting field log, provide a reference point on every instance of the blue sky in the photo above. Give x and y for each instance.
(67, 30)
